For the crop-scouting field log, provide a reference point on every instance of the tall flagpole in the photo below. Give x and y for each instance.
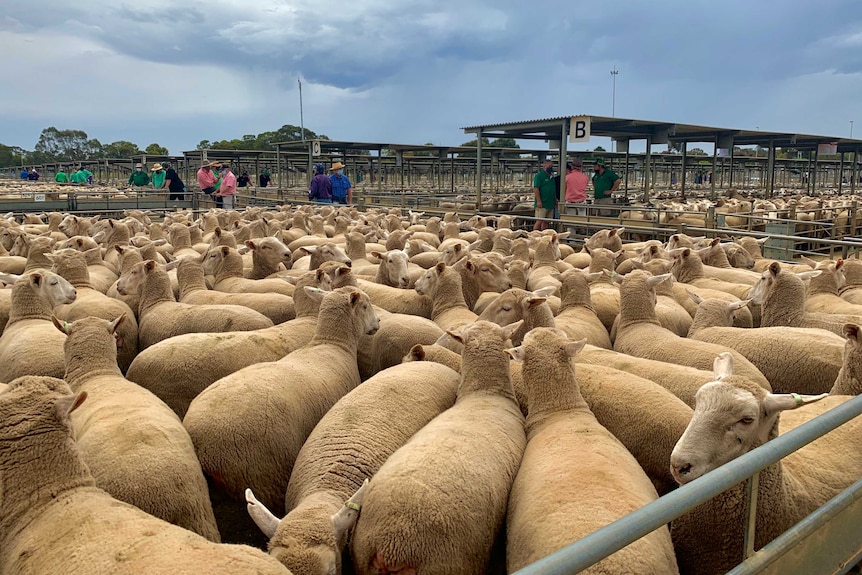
(301, 120)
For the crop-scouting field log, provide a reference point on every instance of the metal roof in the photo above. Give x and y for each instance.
(631, 129)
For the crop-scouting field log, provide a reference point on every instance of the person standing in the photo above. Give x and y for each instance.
(139, 177)
(576, 188)
(207, 181)
(88, 176)
(320, 188)
(545, 192)
(227, 189)
(61, 177)
(158, 176)
(25, 174)
(78, 177)
(243, 180)
(605, 183)
(175, 185)
(264, 178)
(34, 175)
(342, 189)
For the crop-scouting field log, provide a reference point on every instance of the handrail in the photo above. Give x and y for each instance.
(608, 540)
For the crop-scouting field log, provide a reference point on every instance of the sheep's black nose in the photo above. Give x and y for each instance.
(684, 469)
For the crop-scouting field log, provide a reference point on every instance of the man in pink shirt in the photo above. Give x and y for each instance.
(576, 188)
(206, 179)
(227, 189)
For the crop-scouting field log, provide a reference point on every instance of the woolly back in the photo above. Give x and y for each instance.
(190, 276)
(784, 299)
(711, 313)
(451, 230)
(852, 273)
(602, 259)
(305, 305)
(71, 265)
(340, 319)
(637, 299)
(316, 225)
(355, 245)
(549, 375)
(116, 234)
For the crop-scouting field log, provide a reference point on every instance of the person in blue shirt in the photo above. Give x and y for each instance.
(342, 189)
(25, 174)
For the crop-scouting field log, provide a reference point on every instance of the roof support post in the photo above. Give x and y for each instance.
(626, 173)
(682, 176)
(854, 171)
(479, 170)
(564, 137)
(647, 161)
(730, 174)
(770, 167)
(380, 175)
(309, 173)
(712, 173)
(840, 173)
(814, 172)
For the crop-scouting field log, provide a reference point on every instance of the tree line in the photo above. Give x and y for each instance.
(70, 146)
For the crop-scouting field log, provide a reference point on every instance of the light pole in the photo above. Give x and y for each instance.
(301, 120)
(614, 73)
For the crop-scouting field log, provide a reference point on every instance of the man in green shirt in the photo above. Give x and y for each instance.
(61, 177)
(78, 177)
(139, 177)
(159, 175)
(605, 183)
(545, 194)
(88, 176)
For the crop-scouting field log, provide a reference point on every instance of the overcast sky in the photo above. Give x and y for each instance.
(413, 72)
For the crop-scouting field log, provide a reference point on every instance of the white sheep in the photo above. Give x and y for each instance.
(55, 519)
(271, 408)
(349, 445)
(442, 285)
(575, 476)
(731, 419)
(439, 502)
(135, 446)
(577, 318)
(29, 344)
(225, 264)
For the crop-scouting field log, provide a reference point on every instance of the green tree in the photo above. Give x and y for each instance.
(599, 149)
(504, 143)
(203, 145)
(120, 149)
(472, 143)
(156, 150)
(12, 155)
(66, 145)
(695, 152)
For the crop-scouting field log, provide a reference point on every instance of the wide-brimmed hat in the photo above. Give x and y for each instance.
(209, 165)
(337, 166)
(156, 167)
(139, 165)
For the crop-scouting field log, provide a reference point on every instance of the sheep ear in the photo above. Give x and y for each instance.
(355, 296)
(457, 334)
(263, 517)
(735, 305)
(65, 405)
(440, 267)
(60, 325)
(160, 242)
(9, 279)
(694, 297)
(290, 279)
(510, 329)
(809, 262)
(51, 257)
(574, 347)
(777, 402)
(516, 353)
(722, 366)
(116, 323)
(172, 264)
(564, 235)
(417, 353)
(762, 241)
(655, 280)
(96, 250)
(36, 279)
(149, 265)
(243, 250)
(851, 332)
(377, 255)
(315, 293)
(544, 292)
(775, 268)
(225, 250)
(309, 249)
(809, 275)
(349, 512)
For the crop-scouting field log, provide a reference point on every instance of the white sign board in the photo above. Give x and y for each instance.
(38, 197)
(315, 148)
(723, 153)
(823, 149)
(579, 130)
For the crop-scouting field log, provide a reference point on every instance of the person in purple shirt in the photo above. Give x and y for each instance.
(321, 187)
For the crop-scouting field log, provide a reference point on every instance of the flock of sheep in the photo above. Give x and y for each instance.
(382, 393)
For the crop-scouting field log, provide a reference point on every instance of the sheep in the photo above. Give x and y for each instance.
(162, 317)
(781, 295)
(738, 256)
(102, 276)
(396, 300)
(439, 502)
(641, 335)
(443, 286)
(849, 380)
(272, 407)
(604, 293)
(671, 315)
(35, 250)
(822, 293)
(716, 265)
(317, 255)
(392, 270)
(193, 290)
(5, 302)
(729, 420)
(575, 476)
(515, 304)
(225, 265)
(180, 239)
(610, 240)
(135, 446)
(577, 318)
(199, 359)
(72, 266)
(55, 520)
(29, 344)
(349, 444)
(792, 359)
(544, 263)
(648, 427)
(851, 291)
(752, 246)
(355, 250)
(129, 256)
(268, 255)
(480, 274)
(396, 334)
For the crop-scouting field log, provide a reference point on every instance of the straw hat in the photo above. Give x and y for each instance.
(336, 166)
(209, 165)
(139, 165)
(156, 167)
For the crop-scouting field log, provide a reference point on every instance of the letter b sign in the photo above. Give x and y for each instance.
(579, 129)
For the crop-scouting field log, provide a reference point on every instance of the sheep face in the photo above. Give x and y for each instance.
(738, 257)
(452, 254)
(20, 246)
(427, 284)
(364, 312)
(394, 265)
(51, 287)
(491, 277)
(271, 249)
(211, 261)
(329, 253)
(131, 281)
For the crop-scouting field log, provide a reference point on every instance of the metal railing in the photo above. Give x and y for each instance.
(606, 541)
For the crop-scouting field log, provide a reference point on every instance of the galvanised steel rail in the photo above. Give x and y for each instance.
(606, 541)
